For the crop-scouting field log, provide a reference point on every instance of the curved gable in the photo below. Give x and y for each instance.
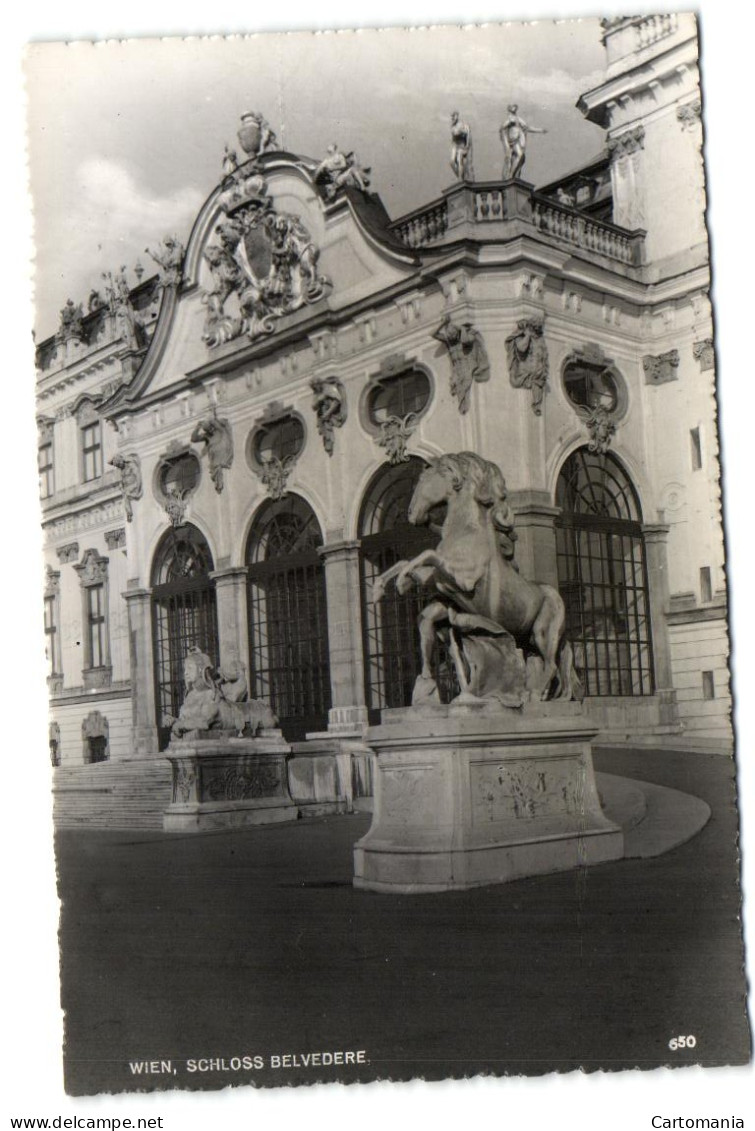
(269, 249)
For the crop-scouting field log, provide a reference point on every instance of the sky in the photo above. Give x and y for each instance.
(126, 139)
(32, 1019)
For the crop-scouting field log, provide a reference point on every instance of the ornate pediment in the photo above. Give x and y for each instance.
(263, 263)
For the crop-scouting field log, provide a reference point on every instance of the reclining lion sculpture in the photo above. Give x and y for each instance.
(218, 699)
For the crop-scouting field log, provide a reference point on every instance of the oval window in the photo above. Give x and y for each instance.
(180, 476)
(281, 439)
(591, 386)
(398, 396)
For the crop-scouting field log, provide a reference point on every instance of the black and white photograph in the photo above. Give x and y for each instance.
(384, 584)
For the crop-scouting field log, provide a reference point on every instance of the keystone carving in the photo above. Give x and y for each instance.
(703, 353)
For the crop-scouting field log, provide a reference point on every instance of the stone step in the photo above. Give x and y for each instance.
(113, 795)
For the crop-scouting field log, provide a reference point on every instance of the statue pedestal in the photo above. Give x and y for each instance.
(222, 782)
(473, 794)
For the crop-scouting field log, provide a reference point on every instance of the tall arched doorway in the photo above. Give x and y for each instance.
(288, 620)
(184, 615)
(602, 574)
(391, 637)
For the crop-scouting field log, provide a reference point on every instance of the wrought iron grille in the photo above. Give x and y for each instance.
(391, 636)
(602, 574)
(184, 616)
(288, 622)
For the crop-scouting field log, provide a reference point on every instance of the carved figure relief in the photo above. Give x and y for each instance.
(661, 368)
(527, 355)
(469, 358)
(266, 259)
(131, 480)
(340, 170)
(169, 257)
(329, 404)
(217, 437)
(395, 433)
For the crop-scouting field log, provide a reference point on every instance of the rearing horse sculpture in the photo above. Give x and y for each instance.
(487, 608)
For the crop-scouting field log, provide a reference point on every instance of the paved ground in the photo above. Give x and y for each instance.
(255, 943)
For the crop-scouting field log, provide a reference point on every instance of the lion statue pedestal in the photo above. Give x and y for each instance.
(222, 782)
(229, 760)
(472, 794)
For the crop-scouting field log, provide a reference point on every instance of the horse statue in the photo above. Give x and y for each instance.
(218, 699)
(505, 634)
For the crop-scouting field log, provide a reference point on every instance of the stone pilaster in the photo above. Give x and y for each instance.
(143, 722)
(230, 593)
(656, 542)
(341, 561)
(536, 544)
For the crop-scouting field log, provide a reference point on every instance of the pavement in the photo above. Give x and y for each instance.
(189, 953)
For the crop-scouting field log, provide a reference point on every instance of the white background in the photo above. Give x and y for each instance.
(32, 1078)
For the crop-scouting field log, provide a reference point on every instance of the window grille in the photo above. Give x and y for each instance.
(288, 623)
(391, 635)
(602, 574)
(184, 616)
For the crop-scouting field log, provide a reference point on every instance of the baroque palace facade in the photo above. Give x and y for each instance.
(227, 448)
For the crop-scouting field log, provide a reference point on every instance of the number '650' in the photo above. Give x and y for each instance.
(682, 1043)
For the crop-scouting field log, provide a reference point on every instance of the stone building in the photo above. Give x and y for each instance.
(227, 448)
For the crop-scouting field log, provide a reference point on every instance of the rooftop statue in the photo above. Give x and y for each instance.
(340, 170)
(71, 321)
(505, 634)
(514, 138)
(169, 257)
(255, 135)
(461, 148)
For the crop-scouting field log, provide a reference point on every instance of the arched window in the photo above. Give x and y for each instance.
(602, 575)
(288, 621)
(391, 637)
(184, 615)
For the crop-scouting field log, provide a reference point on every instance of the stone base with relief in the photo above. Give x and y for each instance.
(221, 781)
(472, 794)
